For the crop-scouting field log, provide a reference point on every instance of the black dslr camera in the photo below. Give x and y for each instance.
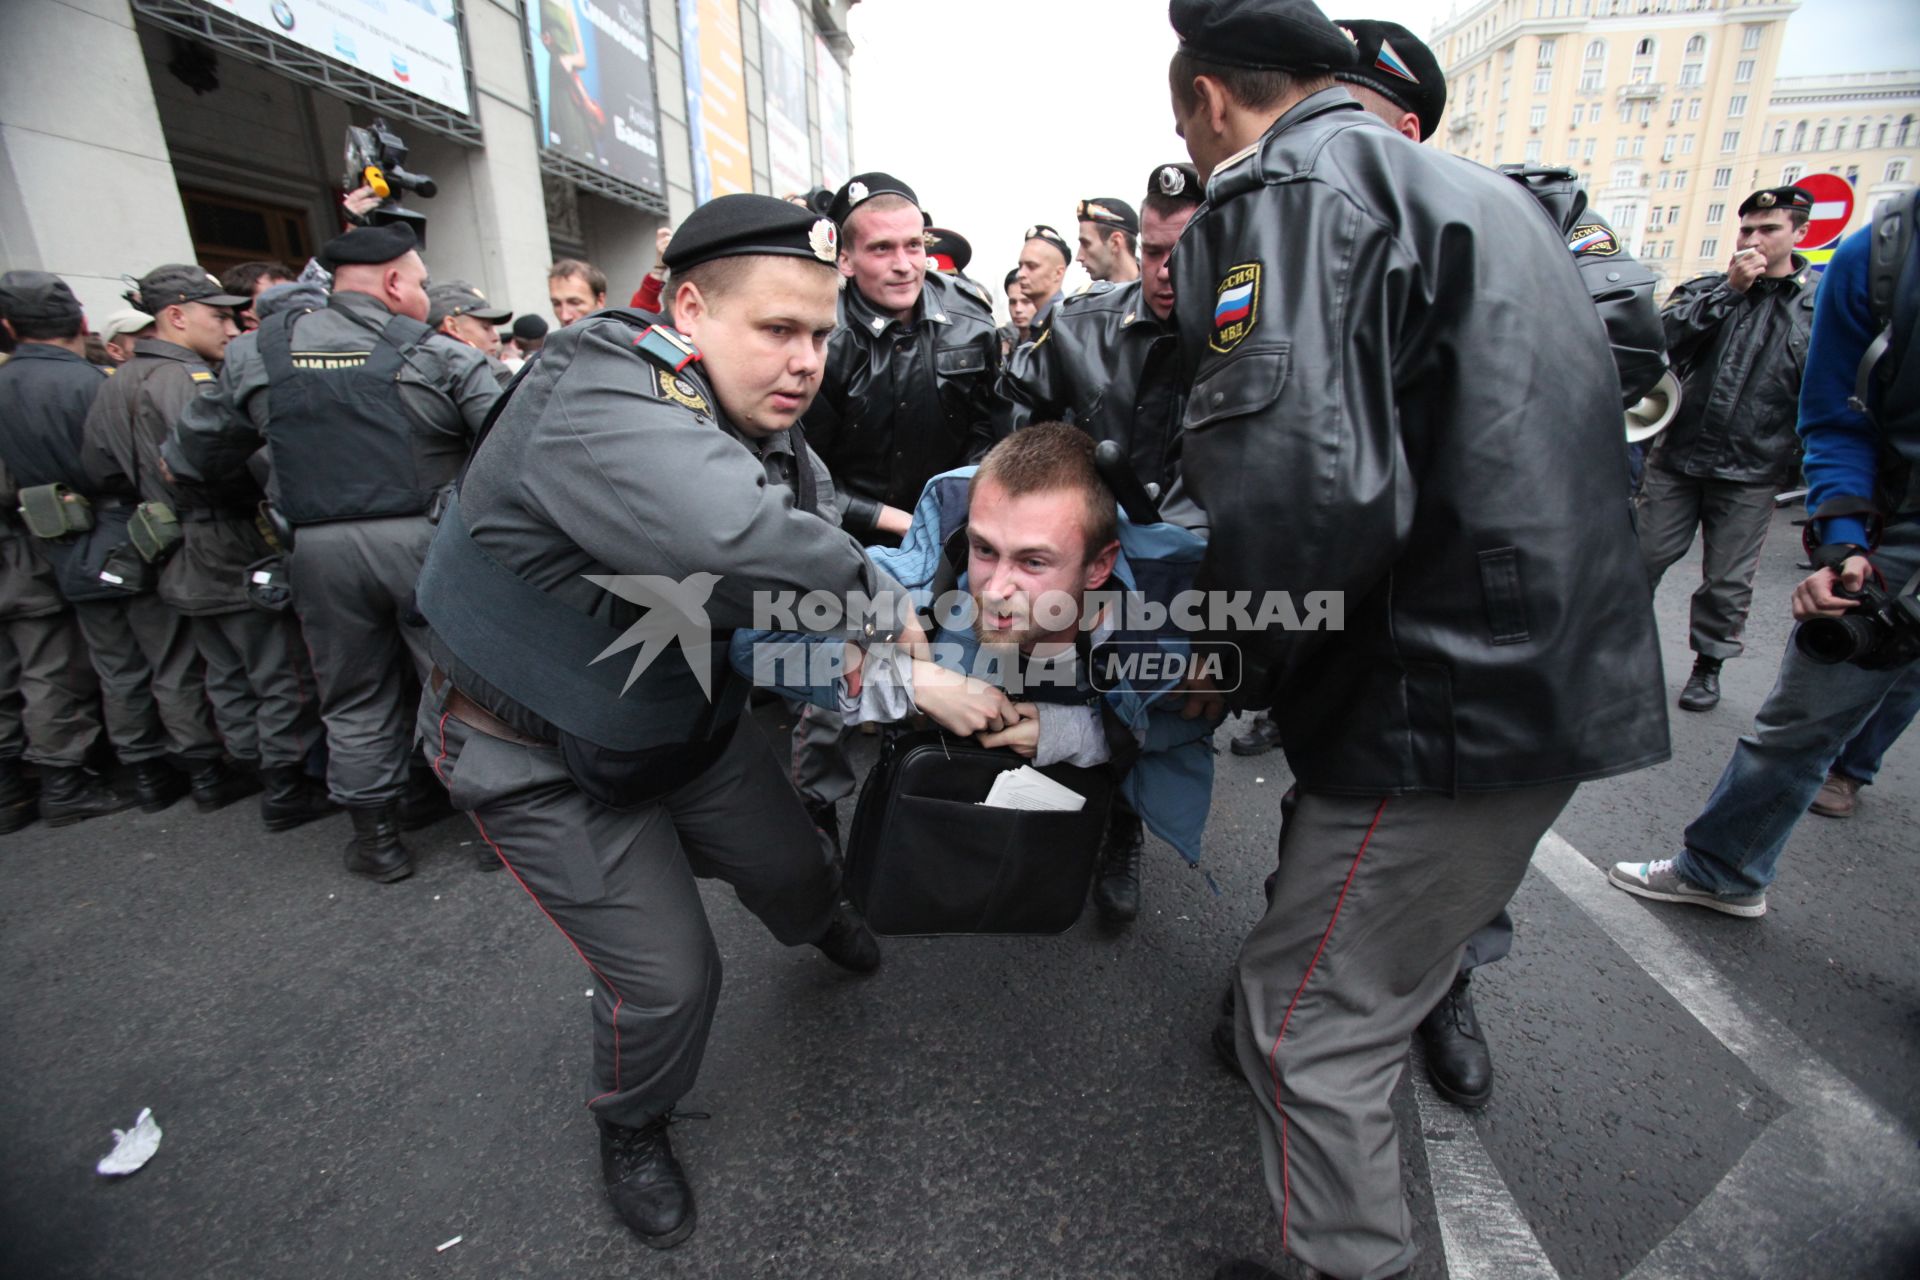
(377, 158)
(1880, 633)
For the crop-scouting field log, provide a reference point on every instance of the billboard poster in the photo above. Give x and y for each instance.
(593, 86)
(834, 159)
(783, 60)
(716, 97)
(413, 45)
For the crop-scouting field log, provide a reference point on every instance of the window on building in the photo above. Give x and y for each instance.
(1743, 71)
(1779, 138)
(1506, 87)
(1693, 108)
(1666, 149)
(1645, 48)
(1537, 118)
(1596, 51)
(1696, 46)
(1653, 218)
(1860, 135)
(1686, 145)
(1690, 75)
(1573, 150)
(1896, 171)
(1533, 151)
(1639, 146)
(1906, 125)
(1646, 113)
(1790, 174)
(1586, 156)
(1619, 148)
(1716, 211)
(1853, 173)
(1673, 112)
(1664, 175)
(1626, 113)
(1736, 106)
(1640, 75)
(1880, 138)
(1750, 38)
(1626, 216)
(1722, 179)
(1506, 56)
(1542, 81)
(1590, 81)
(1820, 136)
(1543, 57)
(1680, 180)
(1730, 140)
(1710, 247)
(1800, 136)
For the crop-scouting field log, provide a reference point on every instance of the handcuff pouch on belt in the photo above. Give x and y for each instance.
(54, 511)
(154, 532)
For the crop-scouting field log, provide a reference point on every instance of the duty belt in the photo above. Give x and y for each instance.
(207, 515)
(475, 716)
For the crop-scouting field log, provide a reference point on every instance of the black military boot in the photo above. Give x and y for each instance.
(375, 850)
(425, 801)
(1458, 1062)
(645, 1184)
(157, 784)
(215, 785)
(1702, 691)
(68, 796)
(291, 798)
(1116, 894)
(848, 942)
(19, 796)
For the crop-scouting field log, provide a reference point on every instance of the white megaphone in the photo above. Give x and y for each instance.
(1655, 410)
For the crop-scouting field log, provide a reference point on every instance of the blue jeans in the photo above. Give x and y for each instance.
(1814, 711)
(1860, 758)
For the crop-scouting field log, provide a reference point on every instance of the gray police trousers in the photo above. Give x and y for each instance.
(1732, 516)
(48, 693)
(151, 678)
(352, 582)
(1372, 902)
(260, 685)
(621, 887)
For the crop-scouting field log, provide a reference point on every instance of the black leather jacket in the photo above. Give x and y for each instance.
(1740, 357)
(1414, 405)
(898, 405)
(1108, 365)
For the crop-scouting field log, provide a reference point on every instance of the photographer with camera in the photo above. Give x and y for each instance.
(1860, 621)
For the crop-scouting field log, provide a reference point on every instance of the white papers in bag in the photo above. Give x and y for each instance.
(1028, 788)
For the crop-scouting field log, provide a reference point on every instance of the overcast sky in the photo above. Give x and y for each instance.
(1003, 113)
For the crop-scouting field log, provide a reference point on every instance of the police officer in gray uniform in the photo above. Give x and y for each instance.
(640, 464)
(257, 676)
(142, 651)
(366, 419)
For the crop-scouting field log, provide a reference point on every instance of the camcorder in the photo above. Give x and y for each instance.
(377, 158)
(1879, 633)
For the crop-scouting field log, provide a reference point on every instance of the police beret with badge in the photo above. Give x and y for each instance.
(1275, 35)
(368, 246)
(37, 297)
(178, 283)
(1777, 198)
(863, 187)
(458, 298)
(1041, 231)
(1397, 65)
(1178, 183)
(747, 225)
(949, 250)
(1109, 212)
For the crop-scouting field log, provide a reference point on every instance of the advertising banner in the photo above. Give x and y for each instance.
(593, 81)
(783, 61)
(835, 162)
(413, 45)
(716, 97)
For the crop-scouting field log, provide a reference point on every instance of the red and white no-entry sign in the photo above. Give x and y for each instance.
(1832, 207)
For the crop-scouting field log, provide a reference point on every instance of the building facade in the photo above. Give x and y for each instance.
(1670, 110)
(136, 132)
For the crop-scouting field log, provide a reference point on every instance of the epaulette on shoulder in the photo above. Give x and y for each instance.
(666, 348)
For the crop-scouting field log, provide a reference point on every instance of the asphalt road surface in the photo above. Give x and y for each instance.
(349, 1075)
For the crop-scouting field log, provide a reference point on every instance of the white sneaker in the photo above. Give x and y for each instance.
(1663, 882)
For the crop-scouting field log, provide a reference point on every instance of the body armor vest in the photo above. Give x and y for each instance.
(342, 445)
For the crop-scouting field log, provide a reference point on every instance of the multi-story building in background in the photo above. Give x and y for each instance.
(1670, 110)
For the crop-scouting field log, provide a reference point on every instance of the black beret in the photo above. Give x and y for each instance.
(745, 225)
(863, 187)
(1178, 182)
(37, 297)
(1041, 231)
(1109, 212)
(951, 247)
(177, 283)
(529, 328)
(368, 246)
(1777, 198)
(1397, 65)
(1277, 35)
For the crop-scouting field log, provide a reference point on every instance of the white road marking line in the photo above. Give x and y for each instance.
(1483, 1232)
(1824, 1189)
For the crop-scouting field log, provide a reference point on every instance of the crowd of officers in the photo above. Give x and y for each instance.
(216, 569)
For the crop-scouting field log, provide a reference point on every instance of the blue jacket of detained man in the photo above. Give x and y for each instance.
(1170, 780)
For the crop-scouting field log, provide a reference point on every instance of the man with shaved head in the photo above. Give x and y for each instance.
(366, 418)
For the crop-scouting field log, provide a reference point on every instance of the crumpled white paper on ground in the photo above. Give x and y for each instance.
(132, 1147)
